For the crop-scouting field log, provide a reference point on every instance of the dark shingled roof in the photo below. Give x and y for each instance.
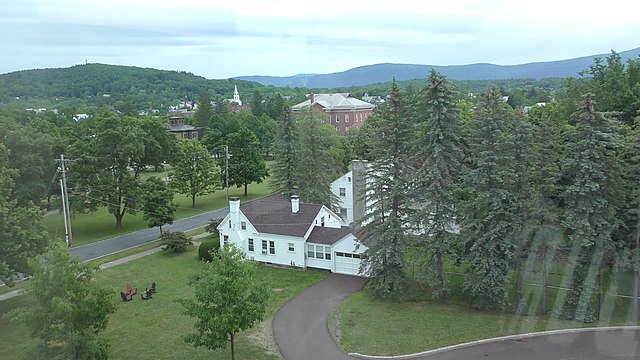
(272, 214)
(328, 236)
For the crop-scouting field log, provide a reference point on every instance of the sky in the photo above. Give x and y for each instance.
(223, 39)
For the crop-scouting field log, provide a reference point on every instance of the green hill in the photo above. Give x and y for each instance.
(99, 84)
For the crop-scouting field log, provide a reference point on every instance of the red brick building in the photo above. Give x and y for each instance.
(343, 110)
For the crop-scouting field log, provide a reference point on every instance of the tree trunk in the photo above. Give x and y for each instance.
(545, 280)
(245, 189)
(518, 289)
(440, 270)
(636, 285)
(193, 201)
(233, 349)
(160, 230)
(118, 220)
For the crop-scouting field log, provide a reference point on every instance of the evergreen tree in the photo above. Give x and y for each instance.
(286, 153)
(591, 196)
(438, 161)
(257, 104)
(542, 207)
(489, 222)
(385, 222)
(522, 140)
(318, 164)
(204, 113)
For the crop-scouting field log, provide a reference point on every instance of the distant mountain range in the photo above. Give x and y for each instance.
(380, 73)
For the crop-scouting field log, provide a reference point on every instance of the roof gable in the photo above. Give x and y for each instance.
(272, 214)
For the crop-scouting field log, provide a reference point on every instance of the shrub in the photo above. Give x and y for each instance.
(205, 248)
(177, 241)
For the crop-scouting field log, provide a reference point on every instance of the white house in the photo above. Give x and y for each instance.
(342, 187)
(278, 230)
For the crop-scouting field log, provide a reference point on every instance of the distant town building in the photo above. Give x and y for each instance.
(343, 110)
(235, 104)
(177, 127)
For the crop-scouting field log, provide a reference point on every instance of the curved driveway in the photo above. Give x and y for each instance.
(300, 326)
(300, 329)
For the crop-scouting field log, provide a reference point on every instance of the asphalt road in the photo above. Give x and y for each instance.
(300, 326)
(586, 345)
(123, 242)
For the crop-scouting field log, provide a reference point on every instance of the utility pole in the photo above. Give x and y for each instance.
(226, 159)
(66, 211)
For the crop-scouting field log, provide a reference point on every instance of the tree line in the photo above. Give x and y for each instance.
(494, 189)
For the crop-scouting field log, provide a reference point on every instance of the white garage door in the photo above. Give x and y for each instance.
(347, 263)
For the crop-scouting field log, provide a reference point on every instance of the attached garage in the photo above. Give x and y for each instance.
(347, 263)
(339, 246)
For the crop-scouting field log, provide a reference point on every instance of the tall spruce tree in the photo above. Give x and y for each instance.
(385, 222)
(204, 114)
(522, 141)
(591, 168)
(286, 153)
(438, 161)
(488, 221)
(542, 207)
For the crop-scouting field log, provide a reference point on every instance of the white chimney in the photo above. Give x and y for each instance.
(234, 205)
(295, 203)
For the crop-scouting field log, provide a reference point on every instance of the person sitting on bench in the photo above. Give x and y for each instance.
(130, 290)
(152, 290)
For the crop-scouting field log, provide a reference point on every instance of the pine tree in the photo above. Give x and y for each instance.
(488, 219)
(593, 173)
(542, 206)
(384, 224)
(286, 153)
(438, 162)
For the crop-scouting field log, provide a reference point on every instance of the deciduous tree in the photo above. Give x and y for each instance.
(228, 300)
(70, 309)
(157, 203)
(194, 172)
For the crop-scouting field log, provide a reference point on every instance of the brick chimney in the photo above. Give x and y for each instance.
(312, 99)
(295, 203)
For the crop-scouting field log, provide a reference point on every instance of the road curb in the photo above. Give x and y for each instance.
(497, 339)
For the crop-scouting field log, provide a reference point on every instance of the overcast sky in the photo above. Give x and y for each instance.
(222, 39)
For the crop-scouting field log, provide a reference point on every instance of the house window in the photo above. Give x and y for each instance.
(337, 118)
(319, 252)
(348, 178)
(291, 247)
(343, 191)
(229, 224)
(243, 225)
(264, 247)
(343, 213)
(272, 247)
(225, 239)
(251, 247)
(346, 118)
(311, 251)
(322, 221)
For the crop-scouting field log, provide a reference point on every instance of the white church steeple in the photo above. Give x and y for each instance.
(236, 95)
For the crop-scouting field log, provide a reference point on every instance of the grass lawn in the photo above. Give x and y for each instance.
(88, 228)
(154, 329)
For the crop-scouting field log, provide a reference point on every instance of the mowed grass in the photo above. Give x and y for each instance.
(376, 327)
(154, 329)
(91, 227)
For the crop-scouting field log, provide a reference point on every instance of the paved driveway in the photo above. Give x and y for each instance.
(587, 345)
(300, 326)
